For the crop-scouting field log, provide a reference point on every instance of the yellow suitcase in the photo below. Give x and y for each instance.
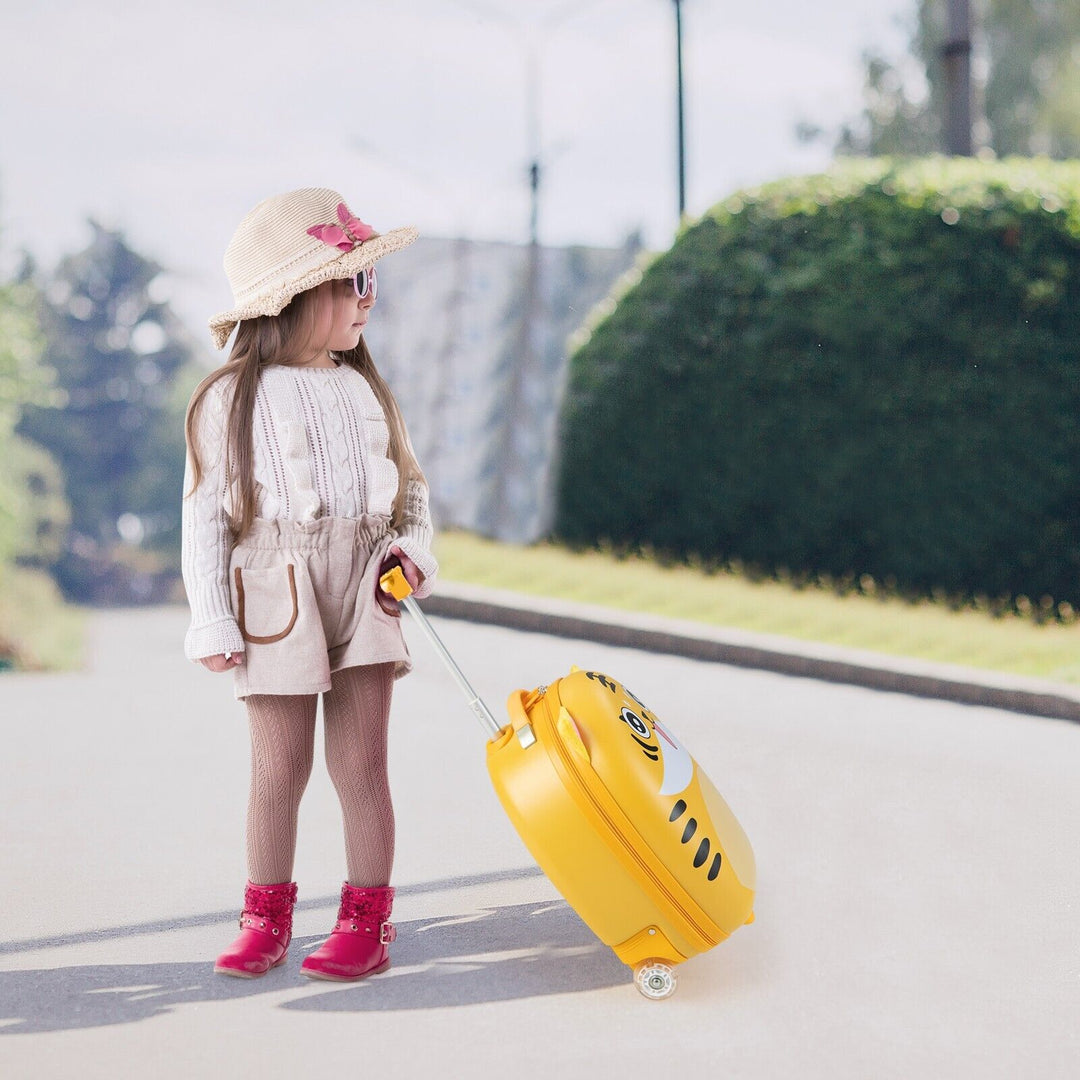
(618, 814)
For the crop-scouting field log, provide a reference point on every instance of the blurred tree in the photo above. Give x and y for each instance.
(1027, 87)
(124, 368)
(32, 513)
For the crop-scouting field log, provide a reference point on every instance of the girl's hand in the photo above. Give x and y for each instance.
(397, 557)
(222, 662)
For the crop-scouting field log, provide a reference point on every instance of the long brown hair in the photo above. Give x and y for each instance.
(287, 339)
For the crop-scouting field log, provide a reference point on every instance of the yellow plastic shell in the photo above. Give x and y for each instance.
(622, 820)
(393, 582)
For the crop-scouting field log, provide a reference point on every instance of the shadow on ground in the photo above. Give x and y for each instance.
(493, 954)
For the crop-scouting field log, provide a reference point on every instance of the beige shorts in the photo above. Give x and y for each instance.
(303, 594)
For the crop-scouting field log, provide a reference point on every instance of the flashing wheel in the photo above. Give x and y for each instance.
(655, 979)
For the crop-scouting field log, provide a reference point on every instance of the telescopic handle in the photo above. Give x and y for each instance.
(393, 582)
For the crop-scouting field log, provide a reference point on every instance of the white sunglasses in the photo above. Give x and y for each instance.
(364, 282)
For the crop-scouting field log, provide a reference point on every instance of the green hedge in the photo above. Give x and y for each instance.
(870, 374)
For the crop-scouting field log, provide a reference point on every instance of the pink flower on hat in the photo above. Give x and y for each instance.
(346, 236)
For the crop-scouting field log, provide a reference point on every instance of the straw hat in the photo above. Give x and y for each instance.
(290, 243)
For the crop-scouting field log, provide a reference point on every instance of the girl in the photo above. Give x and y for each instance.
(301, 490)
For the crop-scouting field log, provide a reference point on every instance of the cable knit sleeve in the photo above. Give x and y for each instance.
(415, 534)
(207, 539)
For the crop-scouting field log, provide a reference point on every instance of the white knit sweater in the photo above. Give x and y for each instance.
(320, 446)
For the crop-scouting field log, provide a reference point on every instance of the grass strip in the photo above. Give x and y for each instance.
(927, 630)
(38, 630)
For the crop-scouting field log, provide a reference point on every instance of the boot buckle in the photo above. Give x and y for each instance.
(387, 933)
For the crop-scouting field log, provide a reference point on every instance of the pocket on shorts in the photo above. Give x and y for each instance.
(266, 604)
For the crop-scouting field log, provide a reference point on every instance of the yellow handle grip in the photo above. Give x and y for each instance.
(393, 582)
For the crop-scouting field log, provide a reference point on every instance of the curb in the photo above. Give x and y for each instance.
(765, 652)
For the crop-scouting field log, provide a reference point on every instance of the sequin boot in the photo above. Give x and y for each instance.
(358, 945)
(265, 930)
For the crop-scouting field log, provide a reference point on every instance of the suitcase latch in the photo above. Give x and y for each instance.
(526, 736)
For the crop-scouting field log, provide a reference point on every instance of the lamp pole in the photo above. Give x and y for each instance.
(956, 56)
(517, 440)
(679, 108)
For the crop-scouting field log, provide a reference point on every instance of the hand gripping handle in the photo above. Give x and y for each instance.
(394, 583)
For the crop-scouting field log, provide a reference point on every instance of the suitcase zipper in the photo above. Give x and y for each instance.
(567, 757)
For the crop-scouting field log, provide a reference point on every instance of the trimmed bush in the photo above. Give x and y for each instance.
(869, 374)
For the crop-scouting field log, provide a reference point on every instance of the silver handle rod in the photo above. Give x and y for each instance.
(491, 726)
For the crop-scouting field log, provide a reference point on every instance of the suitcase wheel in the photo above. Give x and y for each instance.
(655, 979)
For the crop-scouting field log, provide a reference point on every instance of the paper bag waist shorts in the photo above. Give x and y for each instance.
(303, 594)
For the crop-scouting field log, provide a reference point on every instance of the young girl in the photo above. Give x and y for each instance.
(302, 488)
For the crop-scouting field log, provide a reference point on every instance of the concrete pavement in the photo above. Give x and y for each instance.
(917, 907)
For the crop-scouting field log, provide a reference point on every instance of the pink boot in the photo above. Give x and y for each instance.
(358, 946)
(265, 930)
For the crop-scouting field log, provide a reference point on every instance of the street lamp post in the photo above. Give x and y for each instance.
(679, 109)
(956, 55)
(516, 440)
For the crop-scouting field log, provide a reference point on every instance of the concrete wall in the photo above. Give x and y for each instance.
(476, 354)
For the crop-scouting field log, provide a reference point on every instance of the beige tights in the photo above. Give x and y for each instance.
(356, 711)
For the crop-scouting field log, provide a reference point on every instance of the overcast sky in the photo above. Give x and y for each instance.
(170, 120)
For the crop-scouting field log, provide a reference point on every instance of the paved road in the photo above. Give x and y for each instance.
(917, 915)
